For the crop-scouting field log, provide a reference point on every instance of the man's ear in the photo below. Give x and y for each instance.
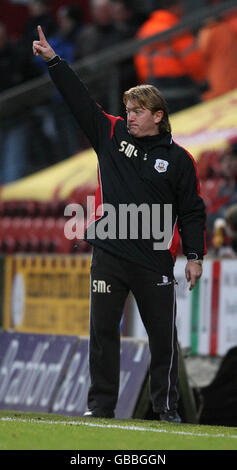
(158, 115)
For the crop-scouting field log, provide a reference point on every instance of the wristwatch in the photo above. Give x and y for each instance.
(194, 257)
(197, 261)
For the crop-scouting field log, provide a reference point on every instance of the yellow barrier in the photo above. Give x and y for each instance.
(47, 294)
(57, 180)
(206, 126)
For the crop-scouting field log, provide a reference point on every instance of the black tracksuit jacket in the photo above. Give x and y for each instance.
(127, 174)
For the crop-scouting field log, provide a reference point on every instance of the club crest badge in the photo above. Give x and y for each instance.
(161, 165)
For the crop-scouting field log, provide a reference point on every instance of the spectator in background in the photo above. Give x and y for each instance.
(224, 238)
(100, 33)
(39, 11)
(231, 228)
(105, 31)
(217, 42)
(59, 137)
(69, 24)
(190, 6)
(67, 139)
(11, 63)
(13, 132)
(70, 21)
(175, 66)
(124, 18)
(227, 194)
(229, 172)
(232, 21)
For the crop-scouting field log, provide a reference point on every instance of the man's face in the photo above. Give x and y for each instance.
(101, 12)
(141, 122)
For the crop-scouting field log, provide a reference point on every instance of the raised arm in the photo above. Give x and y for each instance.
(90, 116)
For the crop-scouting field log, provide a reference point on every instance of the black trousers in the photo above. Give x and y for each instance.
(111, 280)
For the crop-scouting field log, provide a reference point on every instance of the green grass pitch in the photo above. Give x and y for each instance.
(32, 431)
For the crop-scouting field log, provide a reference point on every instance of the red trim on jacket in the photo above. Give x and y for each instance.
(113, 120)
(175, 241)
(94, 213)
(198, 189)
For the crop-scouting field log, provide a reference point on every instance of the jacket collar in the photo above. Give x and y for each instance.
(151, 141)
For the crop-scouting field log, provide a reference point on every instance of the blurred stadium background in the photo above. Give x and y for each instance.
(46, 163)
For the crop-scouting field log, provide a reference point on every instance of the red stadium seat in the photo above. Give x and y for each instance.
(79, 194)
(210, 190)
(4, 226)
(208, 165)
(9, 245)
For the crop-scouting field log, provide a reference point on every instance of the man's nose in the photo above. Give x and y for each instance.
(131, 116)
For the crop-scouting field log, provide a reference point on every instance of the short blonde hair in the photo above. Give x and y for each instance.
(149, 97)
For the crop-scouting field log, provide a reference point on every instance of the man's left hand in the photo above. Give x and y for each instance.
(193, 272)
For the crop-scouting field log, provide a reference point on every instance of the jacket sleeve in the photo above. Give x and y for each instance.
(94, 122)
(191, 210)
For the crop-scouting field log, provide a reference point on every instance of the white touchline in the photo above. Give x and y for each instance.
(115, 426)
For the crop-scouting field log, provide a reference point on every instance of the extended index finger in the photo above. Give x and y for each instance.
(192, 283)
(41, 34)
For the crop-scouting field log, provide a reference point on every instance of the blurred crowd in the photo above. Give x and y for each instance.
(218, 177)
(189, 68)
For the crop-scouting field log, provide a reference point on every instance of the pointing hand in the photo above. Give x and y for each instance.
(193, 272)
(42, 47)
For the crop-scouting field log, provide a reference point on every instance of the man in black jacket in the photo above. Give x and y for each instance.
(141, 172)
